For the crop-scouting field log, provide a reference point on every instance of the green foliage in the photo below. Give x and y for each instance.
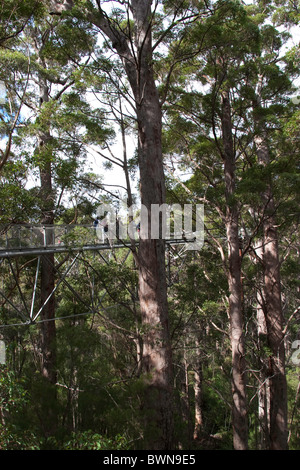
(14, 399)
(89, 440)
(13, 396)
(294, 399)
(20, 204)
(14, 17)
(206, 53)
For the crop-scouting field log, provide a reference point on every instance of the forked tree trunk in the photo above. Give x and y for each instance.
(239, 397)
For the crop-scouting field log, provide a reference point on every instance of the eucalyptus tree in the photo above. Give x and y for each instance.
(135, 50)
(52, 75)
(227, 122)
(272, 90)
(217, 122)
(47, 55)
(128, 29)
(269, 97)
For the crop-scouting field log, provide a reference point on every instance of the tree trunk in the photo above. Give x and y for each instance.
(47, 260)
(198, 384)
(152, 276)
(264, 386)
(47, 279)
(272, 301)
(263, 393)
(239, 406)
(275, 326)
(184, 408)
(157, 356)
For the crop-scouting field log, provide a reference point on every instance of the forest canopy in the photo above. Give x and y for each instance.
(139, 342)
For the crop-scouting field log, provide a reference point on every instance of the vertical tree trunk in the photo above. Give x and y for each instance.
(239, 406)
(264, 386)
(275, 326)
(157, 357)
(47, 279)
(273, 311)
(263, 393)
(137, 60)
(272, 297)
(185, 398)
(48, 329)
(198, 384)
(47, 260)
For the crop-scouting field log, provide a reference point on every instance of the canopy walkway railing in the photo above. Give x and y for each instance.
(19, 240)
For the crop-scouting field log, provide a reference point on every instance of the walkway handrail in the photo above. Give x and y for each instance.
(23, 239)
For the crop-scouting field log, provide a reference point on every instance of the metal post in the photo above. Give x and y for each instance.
(44, 235)
(35, 286)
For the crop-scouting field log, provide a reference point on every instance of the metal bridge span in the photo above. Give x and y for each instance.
(20, 240)
(73, 240)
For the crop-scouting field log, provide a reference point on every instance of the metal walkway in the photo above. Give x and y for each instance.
(20, 240)
(75, 241)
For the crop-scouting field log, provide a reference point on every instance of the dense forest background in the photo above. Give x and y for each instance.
(193, 102)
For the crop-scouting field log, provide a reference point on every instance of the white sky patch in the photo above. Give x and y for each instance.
(2, 92)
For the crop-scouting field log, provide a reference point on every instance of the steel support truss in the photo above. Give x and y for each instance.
(14, 259)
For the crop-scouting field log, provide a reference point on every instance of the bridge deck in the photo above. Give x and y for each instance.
(20, 240)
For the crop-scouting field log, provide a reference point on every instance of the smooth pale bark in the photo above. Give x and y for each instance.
(198, 390)
(263, 394)
(239, 396)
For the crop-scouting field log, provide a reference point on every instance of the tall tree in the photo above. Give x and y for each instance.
(270, 258)
(50, 77)
(271, 87)
(217, 116)
(231, 68)
(239, 410)
(47, 197)
(157, 358)
(133, 44)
